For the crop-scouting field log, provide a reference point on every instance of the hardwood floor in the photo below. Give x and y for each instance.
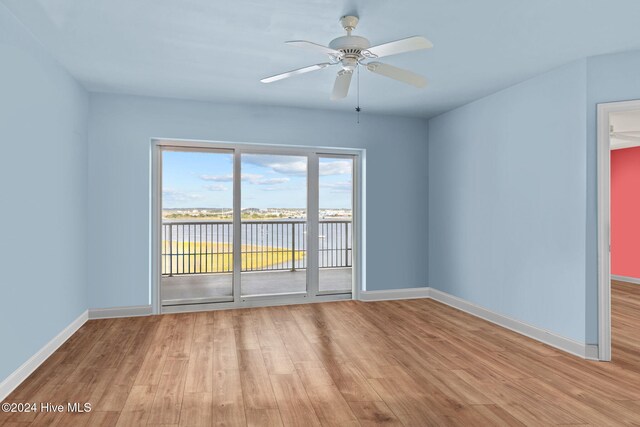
(411, 363)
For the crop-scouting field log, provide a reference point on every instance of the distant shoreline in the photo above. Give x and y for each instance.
(188, 218)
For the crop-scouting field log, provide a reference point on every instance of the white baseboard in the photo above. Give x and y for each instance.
(586, 351)
(27, 368)
(627, 279)
(393, 294)
(130, 311)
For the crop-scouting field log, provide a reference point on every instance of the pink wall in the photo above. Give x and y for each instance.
(625, 212)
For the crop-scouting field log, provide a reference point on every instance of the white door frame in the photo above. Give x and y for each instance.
(604, 222)
(312, 195)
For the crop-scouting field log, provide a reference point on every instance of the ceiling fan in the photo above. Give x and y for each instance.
(350, 51)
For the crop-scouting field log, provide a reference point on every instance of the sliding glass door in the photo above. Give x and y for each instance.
(197, 226)
(335, 244)
(274, 224)
(241, 225)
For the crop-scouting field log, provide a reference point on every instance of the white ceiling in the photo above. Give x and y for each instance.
(219, 50)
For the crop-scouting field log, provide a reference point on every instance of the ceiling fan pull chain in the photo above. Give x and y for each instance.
(358, 95)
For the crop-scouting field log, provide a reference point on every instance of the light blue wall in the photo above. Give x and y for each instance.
(610, 78)
(507, 197)
(120, 129)
(43, 172)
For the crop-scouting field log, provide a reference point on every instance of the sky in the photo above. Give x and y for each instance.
(205, 180)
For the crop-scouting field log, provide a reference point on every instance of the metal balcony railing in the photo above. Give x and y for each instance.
(207, 247)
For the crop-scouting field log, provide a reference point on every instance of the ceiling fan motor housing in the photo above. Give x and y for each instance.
(351, 48)
(345, 43)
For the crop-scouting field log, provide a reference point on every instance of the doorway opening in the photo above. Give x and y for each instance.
(241, 225)
(618, 224)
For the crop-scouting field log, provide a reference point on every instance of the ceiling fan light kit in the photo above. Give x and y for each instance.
(351, 51)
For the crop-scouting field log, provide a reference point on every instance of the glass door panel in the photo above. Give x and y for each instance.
(335, 225)
(197, 226)
(273, 224)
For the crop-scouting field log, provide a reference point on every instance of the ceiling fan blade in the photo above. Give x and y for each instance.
(295, 72)
(397, 74)
(315, 47)
(341, 86)
(400, 46)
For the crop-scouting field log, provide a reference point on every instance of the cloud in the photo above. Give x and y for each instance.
(297, 165)
(338, 187)
(180, 196)
(217, 178)
(270, 181)
(215, 187)
(338, 167)
(252, 178)
(286, 165)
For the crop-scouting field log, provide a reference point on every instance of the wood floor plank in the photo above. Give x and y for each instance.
(256, 384)
(374, 414)
(246, 335)
(275, 353)
(167, 402)
(293, 402)
(497, 416)
(116, 390)
(153, 363)
(181, 338)
(197, 409)
(329, 404)
(351, 383)
(225, 354)
(263, 418)
(411, 363)
(137, 407)
(103, 418)
(204, 327)
(200, 368)
(228, 401)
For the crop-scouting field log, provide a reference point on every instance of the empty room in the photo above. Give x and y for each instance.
(305, 213)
